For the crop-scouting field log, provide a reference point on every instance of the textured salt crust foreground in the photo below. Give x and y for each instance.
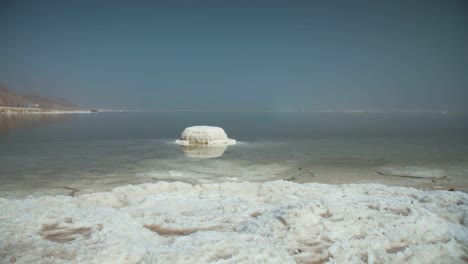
(272, 222)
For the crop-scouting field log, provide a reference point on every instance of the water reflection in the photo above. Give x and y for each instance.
(204, 151)
(14, 121)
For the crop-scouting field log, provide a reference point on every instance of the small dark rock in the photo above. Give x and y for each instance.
(297, 251)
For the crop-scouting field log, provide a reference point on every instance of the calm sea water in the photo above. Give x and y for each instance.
(69, 154)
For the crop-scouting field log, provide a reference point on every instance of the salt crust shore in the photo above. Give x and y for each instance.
(272, 222)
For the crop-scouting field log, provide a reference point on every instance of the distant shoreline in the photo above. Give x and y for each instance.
(6, 110)
(344, 111)
(23, 110)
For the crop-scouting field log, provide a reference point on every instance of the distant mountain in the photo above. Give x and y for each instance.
(7, 97)
(12, 99)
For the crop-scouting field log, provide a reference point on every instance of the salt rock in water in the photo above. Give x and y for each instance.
(209, 135)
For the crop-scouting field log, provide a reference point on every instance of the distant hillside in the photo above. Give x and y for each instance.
(7, 97)
(10, 98)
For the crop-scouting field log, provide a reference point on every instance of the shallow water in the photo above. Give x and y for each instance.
(73, 154)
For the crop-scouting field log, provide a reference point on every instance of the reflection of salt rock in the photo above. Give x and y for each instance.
(208, 135)
(412, 172)
(204, 151)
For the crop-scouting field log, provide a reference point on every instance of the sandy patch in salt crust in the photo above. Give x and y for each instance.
(273, 222)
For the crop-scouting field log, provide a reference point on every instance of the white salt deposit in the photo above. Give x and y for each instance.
(209, 135)
(413, 172)
(217, 171)
(273, 222)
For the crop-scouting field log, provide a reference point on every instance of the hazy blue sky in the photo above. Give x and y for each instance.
(238, 54)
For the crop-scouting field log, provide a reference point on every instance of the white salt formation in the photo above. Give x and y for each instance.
(209, 135)
(412, 172)
(273, 222)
